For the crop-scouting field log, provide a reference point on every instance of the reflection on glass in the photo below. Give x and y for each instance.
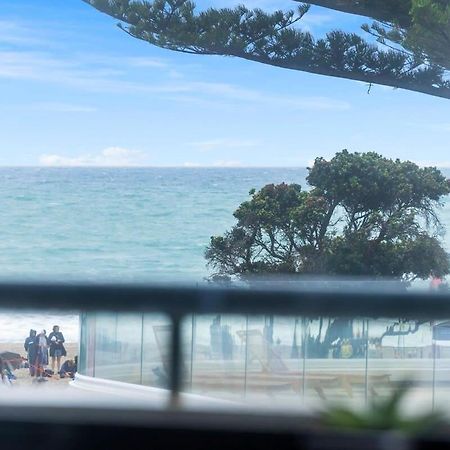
(156, 361)
(133, 348)
(335, 353)
(402, 351)
(216, 357)
(288, 360)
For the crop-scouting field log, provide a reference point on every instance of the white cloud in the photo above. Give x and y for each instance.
(311, 21)
(175, 74)
(226, 163)
(90, 73)
(233, 92)
(437, 126)
(109, 157)
(220, 163)
(143, 61)
(76, 73)
(441, 126)
(110, 73)
(15, 34)
(215, 144)
(123, 61)
(262, 4)
(62, 107)
(438, 164)
(42, 67)
(319, 104)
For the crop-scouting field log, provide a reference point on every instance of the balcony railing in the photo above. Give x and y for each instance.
(316, 299)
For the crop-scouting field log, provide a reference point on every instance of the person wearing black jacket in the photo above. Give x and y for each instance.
(57, 349)
(31, 348)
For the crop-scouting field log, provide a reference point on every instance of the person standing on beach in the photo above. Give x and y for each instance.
(31, 349)
(41, 354)
(57, 349)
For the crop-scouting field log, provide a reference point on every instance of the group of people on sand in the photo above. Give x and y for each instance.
(39, 345)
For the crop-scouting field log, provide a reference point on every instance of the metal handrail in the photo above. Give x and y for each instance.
(178, 301)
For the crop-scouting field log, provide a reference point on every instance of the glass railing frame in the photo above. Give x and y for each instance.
(178, 302)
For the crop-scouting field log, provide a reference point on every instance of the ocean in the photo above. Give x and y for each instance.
(118, 224)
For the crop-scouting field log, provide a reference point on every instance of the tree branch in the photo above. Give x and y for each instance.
(381, 10)
(225, 32)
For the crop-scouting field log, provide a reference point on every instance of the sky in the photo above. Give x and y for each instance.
(78, 91)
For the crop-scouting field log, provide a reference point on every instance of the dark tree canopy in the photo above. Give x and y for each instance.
(415, 34)
(363, 215)
(421, 27)
(384, 11)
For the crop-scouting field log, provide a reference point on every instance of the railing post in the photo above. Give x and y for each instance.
(246, 356)
(176, 362)
(434, 375)
(142, 347)
(193, 343)
(304, 350)
(366, 345)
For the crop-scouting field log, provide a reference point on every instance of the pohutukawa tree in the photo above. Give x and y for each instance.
(407, 45)
(363, 215)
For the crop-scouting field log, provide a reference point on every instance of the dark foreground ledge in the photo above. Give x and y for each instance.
(105, 428)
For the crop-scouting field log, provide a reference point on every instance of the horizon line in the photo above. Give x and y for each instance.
(35, 166)
(148, 167)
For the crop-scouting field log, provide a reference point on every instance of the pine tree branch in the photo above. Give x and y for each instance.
(381, 10)
(226, 32)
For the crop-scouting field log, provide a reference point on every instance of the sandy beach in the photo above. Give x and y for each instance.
(23, 375)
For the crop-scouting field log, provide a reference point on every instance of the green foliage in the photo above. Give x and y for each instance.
(274, 38)
(384, 415)
(364, 215)
(426, 36)
(380, 10)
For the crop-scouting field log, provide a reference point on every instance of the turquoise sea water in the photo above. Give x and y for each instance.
(125, 225)
(119, 224)
(122, 224)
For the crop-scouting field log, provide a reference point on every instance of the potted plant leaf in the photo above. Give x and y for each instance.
(382, 426)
